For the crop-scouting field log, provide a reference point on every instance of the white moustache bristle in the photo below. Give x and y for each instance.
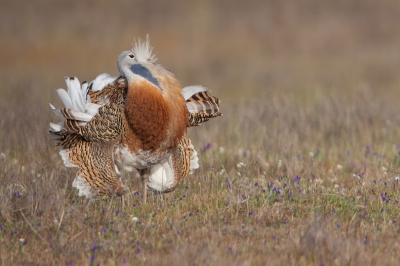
(143, 50)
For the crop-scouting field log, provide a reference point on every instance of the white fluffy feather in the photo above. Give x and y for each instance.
(194, 160)
(56, 127)
(75, 93)
(92, 108)
(77, 101)
(102, 81)
(188, 91)
(84, 188)
(65, 157)
(56, 111)
(143, 51)
(127, 160)
(162, 175)
(64, 97)
(81, 116)
(85, 90)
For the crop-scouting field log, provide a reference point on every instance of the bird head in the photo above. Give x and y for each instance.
(139, 63)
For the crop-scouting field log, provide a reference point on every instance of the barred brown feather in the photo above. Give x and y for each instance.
(114, 92)
(96, 165)
(181, 157)
(202, 106)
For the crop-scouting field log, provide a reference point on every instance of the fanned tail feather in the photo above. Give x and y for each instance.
(101, 82)
(78, 109)
(201, 104)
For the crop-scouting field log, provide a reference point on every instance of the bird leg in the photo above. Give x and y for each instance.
(123, 202)
(145, 178)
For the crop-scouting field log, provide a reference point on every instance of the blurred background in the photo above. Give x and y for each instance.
(243, 51)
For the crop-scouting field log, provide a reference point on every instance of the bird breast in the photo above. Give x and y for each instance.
(156, 120)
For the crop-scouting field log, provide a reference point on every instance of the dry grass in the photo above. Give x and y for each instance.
(302, 169)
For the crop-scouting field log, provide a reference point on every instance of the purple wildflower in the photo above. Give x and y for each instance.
(116, 211)
(138, 251)
(207, 147)
(277, 190)
(367, 151)
(17, 195)
(251, 213)
(296, 179)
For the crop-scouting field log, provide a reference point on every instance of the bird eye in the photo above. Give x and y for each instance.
(131, 55)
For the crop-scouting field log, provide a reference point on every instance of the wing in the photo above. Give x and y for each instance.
(201, 105)
(97, 175)
(164, 177)
(90, 129)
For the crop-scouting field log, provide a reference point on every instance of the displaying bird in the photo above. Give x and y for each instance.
(135, 121)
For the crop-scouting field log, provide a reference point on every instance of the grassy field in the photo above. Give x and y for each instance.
(302, 169)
